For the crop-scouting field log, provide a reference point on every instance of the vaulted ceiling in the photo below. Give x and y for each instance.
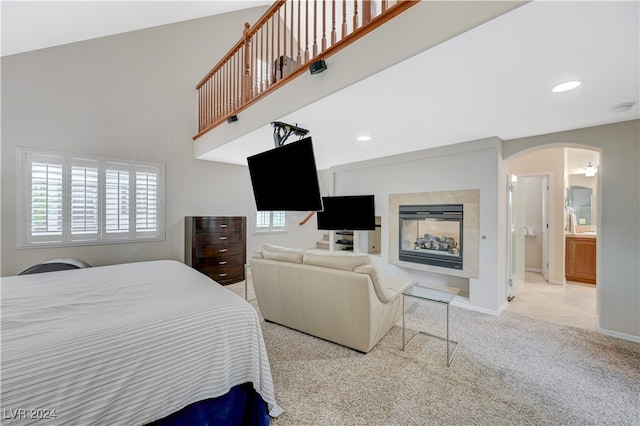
(493, 80)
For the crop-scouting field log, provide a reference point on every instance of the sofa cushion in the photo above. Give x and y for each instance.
(273, 252)
(345, 261)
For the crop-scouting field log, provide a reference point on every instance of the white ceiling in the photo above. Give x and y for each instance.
(30, 25)
(494, 80)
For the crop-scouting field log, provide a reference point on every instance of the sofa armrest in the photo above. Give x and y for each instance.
(397, 283)
(387, 288)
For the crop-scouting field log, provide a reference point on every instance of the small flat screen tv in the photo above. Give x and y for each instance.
(286, 178)
(352, 212)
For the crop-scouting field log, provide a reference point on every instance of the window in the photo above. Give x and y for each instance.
(270, 221)
(68, 200)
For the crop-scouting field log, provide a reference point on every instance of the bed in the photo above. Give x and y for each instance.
(131, 344)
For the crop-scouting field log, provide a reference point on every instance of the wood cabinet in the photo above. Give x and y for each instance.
(216, 246)
(580, 259)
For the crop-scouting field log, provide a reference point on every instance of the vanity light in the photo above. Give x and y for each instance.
(565, 87)
(364, 138)
(590, 170)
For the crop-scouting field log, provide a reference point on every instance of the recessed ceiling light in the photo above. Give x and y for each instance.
(565, 87)
(626, 106)
(364, 138)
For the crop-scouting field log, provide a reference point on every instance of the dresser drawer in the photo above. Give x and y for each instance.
(219, 224)
(220, 250)
(220, 261)
(206, 239)
(224, 275)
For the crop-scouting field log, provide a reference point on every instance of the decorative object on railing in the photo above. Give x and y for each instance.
(290, 37)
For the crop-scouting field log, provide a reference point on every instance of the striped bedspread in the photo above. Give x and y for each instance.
(124, 344)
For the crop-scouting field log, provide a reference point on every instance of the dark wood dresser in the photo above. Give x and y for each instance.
(216, 246)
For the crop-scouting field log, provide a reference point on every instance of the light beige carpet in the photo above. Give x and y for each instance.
(508, 370)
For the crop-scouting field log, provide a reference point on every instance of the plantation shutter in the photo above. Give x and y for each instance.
(117, 199)
(70, 199)
(147, 199)
(85, 200)
(45, 186)
(263, 220)
(277, 220)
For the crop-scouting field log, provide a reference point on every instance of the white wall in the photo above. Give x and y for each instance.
(440, 169)
(618, 244)
(129, 96)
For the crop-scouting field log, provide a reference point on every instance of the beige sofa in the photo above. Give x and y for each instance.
(337, 296)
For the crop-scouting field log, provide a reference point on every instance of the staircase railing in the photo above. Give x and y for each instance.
(291, 35)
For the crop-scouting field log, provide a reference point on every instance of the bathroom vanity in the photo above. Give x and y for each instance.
(580, 258)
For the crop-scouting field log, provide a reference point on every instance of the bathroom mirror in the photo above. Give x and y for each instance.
(580, 203)
(582, 199)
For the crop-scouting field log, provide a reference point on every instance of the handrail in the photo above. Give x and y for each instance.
(280, 46)
(306, 219)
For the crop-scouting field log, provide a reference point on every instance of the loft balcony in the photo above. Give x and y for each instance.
(356, 39)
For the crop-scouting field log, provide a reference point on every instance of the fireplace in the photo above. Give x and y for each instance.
(432, 235)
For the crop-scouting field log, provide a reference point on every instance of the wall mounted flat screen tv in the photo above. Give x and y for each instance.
(352, 212)
(286, 178)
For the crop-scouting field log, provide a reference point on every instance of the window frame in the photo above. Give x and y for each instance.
(68, 236)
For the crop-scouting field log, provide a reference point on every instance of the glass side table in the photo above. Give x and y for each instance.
(431, 294)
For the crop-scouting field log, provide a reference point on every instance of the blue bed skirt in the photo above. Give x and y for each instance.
(242, 405)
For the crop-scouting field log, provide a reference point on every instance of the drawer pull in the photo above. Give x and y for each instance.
(222, 250)
(222, 262)
(222, 275)
(222, 238)
(223, 225)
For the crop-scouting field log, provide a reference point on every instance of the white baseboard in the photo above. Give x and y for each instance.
(464, 303)
(624, 336)
(538, 270)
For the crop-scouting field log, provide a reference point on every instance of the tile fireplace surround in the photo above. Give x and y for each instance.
(470, 202)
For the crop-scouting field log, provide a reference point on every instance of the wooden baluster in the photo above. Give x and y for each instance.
(270, 64)
(306, 32)
(315, 28)
(229, 82)
(203, 105)
(299, 52)
(355, 15)
(384, 6)
(200, 108)
(324, 27)
(254, 66)
(234, 71)
(291, 54)
(344, 19)
(333, 20)
(367, 6)
(207, 103)
(238, 73)
(246, 74)
(254, 74)
(217, 95)
(223, 89)
(281, 67)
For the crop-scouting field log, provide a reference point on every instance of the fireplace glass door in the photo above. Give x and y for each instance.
(432, 235)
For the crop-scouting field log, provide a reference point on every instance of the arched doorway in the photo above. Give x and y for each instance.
(539, 183)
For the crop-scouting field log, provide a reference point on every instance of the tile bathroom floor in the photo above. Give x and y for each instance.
(572, 304)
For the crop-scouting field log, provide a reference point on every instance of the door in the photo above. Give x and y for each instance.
(515, 240)
(544, 232)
